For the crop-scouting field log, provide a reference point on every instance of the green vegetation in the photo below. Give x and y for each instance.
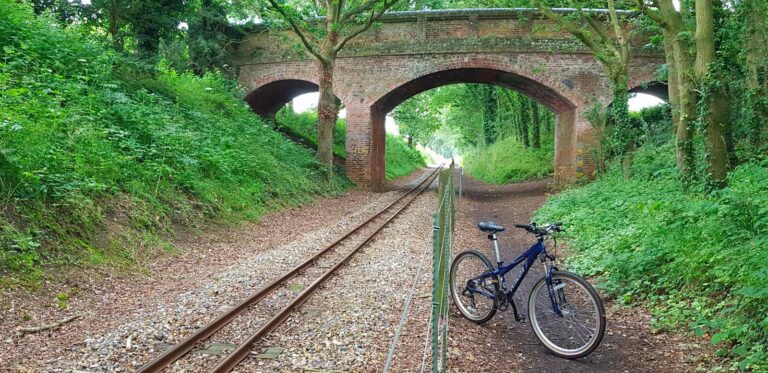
(509, 161)
(304, 126)
(699, 258)
(502, 136)
(400, 159)
(101, 155)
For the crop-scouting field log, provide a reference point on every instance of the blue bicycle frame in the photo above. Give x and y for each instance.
(527, 258)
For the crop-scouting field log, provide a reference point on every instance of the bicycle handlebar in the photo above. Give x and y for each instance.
(533, 228)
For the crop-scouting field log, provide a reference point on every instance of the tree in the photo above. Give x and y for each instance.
(756, 15)
(65, 11)
(612, 50)
(416, 119)
(715, 113)
(342, 21)
(535, 127)
(148, 21)
(525, 118)
(112, 16)
(682, 93)
(210, 34)
(152, 20)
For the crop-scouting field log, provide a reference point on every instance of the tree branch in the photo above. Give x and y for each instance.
(313, 49)
(620, 34)
(652, 14)
(41, 328)
(604, 38)
(569, 26)
(364, 7)
(374, 15)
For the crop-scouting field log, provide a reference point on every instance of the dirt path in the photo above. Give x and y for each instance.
(506, 345)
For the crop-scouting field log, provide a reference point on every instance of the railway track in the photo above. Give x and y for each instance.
(280, 297)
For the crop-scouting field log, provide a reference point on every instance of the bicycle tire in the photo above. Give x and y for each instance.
(456, 294)
(570, 317)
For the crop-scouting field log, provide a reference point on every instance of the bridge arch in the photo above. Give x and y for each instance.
(268, 94)
(654, 88)
(544, 91)
(269, 98)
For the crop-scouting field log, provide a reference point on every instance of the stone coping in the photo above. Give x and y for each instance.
(478, 13)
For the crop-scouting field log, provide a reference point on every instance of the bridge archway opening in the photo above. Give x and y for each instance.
(656, 89)
(564, 109)
(269, 98)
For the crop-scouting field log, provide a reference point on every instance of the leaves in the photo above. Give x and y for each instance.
(80, 141)
(695, 257)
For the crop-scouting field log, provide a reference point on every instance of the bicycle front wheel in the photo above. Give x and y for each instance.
(579, 328)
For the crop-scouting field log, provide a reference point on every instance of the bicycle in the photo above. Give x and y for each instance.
(565, 311)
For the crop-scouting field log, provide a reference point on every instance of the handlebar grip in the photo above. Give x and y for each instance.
(527, 227)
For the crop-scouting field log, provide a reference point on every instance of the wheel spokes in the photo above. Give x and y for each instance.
(577, 326)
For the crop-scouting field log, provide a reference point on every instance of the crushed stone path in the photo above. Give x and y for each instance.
(503, 344)
(180, 291)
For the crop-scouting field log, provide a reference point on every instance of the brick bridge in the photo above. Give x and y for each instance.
(411, 52)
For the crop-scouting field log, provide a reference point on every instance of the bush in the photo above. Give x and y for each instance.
(508, 161)
(700, 259)
(400, 158)
(97, 162)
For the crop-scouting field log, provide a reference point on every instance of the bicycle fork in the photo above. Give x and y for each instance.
(553, 293)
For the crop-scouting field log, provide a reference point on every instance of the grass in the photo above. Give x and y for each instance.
(699, 259)
(304, 126)
(508, 161)
(100, 155)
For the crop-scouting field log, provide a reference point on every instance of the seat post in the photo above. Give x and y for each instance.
(495, 241)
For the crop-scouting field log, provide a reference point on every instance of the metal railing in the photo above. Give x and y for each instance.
(442, 244)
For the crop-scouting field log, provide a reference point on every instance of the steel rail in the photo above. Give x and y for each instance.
(235, 357)
(176, 352)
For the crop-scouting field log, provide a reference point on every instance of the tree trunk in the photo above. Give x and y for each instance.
(114, 27)
(626, 165)
(619, 119)
(686, 94)
(536, 123)
(489, 113)
(757, 65)
(715, 111)
(673, 84)
(327, 113)
(687, 99)
(525, 118)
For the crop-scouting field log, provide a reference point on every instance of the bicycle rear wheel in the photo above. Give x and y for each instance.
(465, 267)
(580, 327)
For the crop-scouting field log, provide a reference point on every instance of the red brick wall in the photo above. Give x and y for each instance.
(399, 59)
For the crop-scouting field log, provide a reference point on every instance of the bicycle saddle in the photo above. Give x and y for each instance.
(490, 227)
